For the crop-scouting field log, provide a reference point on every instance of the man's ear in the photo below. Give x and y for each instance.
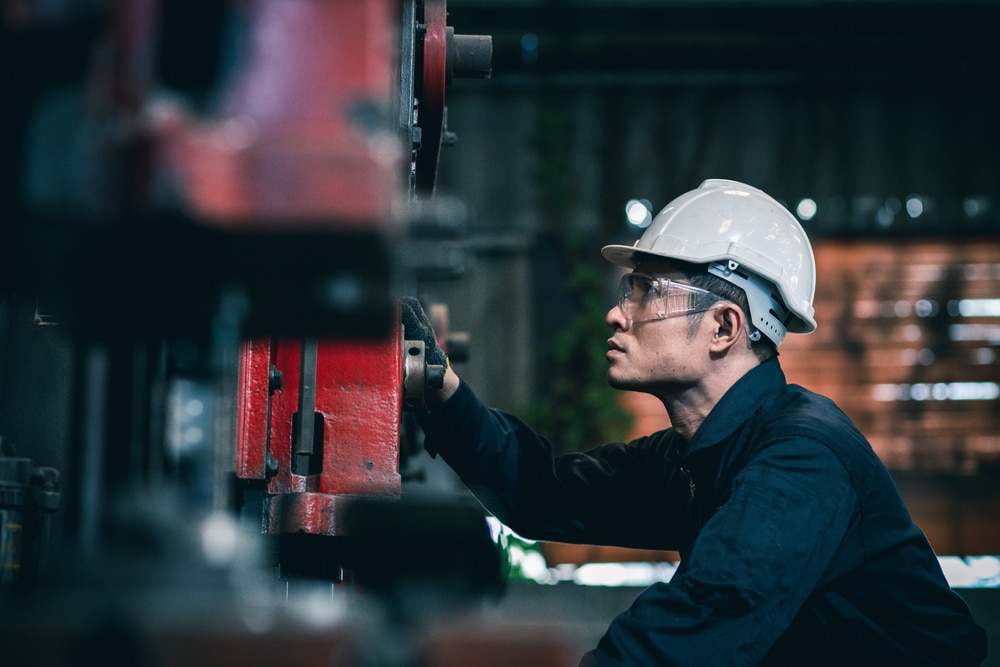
(728, 325)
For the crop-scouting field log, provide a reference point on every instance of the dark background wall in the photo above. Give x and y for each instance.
(859, 106)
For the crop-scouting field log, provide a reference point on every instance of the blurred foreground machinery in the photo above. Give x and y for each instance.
(205, 231)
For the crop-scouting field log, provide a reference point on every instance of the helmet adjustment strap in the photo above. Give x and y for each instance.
(769, 315)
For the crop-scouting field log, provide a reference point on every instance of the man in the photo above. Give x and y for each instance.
(795, 546)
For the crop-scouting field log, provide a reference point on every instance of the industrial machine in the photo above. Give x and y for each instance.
(201, 285)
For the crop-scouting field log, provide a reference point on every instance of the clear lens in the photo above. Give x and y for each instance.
(645, 298)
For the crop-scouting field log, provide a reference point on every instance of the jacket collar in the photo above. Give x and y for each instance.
(739, 404)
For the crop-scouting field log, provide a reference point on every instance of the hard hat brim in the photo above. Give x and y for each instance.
(622, 255)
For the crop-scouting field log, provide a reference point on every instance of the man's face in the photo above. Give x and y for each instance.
(655, 356)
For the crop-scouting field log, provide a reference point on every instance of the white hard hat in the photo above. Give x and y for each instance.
(747, 238)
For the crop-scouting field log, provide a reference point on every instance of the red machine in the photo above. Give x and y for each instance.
(262, 212)
(319, 421)
(313, 138)
(265, 224)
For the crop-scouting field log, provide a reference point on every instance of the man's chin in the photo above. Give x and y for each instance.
(620, 383)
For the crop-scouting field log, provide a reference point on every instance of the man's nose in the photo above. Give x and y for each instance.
(616, 319)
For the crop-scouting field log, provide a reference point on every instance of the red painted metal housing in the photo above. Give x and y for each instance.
(306, 136)
(306, 139)
(359, 387)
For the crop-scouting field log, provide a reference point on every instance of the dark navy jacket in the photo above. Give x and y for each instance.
(795, 546)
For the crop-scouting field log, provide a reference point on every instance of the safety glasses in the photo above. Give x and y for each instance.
(646, 298)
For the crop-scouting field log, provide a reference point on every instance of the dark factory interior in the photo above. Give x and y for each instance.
(213, 207)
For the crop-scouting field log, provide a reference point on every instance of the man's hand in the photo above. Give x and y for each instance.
(418, 327)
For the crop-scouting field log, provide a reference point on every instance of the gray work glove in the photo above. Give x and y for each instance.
(418, 327)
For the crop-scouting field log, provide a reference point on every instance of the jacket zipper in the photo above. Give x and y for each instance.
(687, 474)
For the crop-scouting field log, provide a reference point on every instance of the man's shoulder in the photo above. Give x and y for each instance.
(807, 416)
(802, 409)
